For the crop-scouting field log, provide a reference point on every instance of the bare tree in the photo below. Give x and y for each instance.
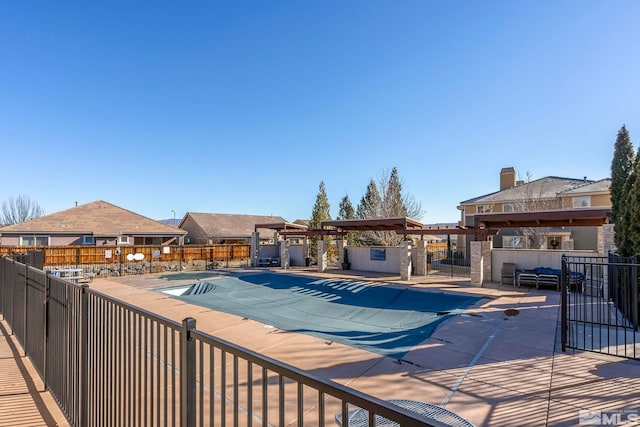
(19, 209)
(532, 196)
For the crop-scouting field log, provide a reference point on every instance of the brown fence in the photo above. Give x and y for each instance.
(135, 259)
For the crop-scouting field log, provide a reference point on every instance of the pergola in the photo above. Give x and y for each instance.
(487, 224)
(565, 218)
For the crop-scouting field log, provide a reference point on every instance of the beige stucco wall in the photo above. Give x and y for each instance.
(529, 259)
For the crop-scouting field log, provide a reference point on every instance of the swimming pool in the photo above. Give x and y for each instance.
(388, 320)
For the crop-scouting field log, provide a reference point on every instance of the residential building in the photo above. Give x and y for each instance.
(96, 223)
(546, 197)
(209, 228)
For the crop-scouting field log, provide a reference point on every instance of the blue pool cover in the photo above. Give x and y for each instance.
(384, 319)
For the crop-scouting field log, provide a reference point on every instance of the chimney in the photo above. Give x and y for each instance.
(507, 178)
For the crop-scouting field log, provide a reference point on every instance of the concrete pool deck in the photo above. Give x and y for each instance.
(487, 366)
(492, 366)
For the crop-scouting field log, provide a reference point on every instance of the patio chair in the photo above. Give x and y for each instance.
(508, 274)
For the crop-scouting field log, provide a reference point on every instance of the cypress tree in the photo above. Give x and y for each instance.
(346, 211)
(621, 166)
(629, 238)
(321, 212)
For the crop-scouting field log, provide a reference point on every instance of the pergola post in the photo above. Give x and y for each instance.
(255, 248)
(322, 255)
(421, 258)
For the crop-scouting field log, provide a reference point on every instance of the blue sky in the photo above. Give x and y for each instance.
(244, 107)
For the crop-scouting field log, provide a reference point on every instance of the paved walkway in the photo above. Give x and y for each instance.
(22, 399)
(498, 364)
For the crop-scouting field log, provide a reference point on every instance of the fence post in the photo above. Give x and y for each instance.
(84, 355)
(45, 325)
(24, 309)
(187, 373)
(633, 288)
(563, 305)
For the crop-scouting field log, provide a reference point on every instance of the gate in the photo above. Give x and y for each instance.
(600, 305)
(447, 262)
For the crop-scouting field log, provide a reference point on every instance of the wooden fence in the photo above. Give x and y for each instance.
(135, 259)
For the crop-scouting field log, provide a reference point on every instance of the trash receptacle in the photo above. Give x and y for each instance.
(307, 261)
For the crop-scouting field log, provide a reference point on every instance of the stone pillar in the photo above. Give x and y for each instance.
(421, 258)
(255, 248)
(480, 262)
(284, 254)
(322, 256)
(341, 245)
(601, 243)
(609, 243)
(487, 274)
(405, 260)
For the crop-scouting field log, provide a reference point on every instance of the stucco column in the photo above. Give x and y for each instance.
(480, 262)
(255, 248)
(405, 260)
(284, 254)
(322, 256)
(421, 258)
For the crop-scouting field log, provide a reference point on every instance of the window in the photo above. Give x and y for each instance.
(88, 240)
(123, 240)
(34, 240)
(513, 242)
(484, 209)
(507, 207)
(582, 202)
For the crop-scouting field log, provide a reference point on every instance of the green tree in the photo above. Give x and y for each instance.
(321, 212)
(628, 240)
(392, 201)
(346, 211)
(623, 176)
(621, 166)
(19, 209)
(369, 207)
(370, 204)
(386, 199)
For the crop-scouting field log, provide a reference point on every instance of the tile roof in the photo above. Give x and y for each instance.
(98, 218)
(233, 225)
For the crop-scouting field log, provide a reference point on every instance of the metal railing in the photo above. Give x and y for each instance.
(449, 263)
(109, 363)
(600, 305)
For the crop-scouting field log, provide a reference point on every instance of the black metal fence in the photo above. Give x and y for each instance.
(107, 362)
(447, 262)
(600, 305)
